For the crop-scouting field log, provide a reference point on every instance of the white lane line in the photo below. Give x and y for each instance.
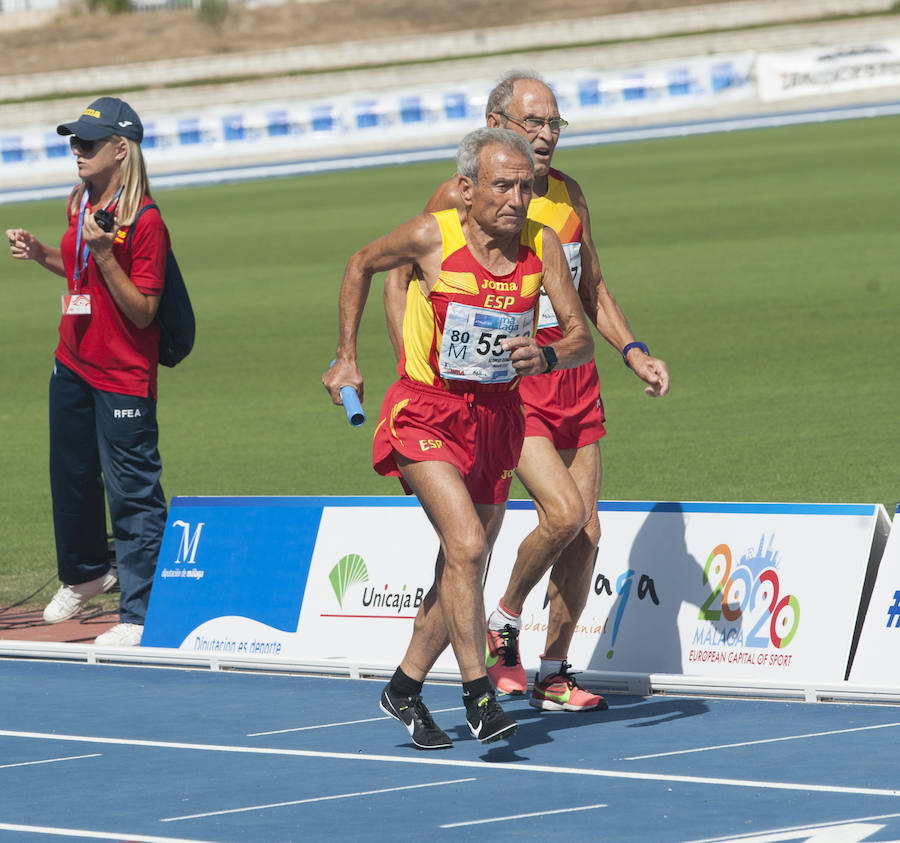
(447, 762)
(524, 816)
(131, 836)
(51, 760)
(795, 830)
(344, 723)
(761, 741)
(314, 799)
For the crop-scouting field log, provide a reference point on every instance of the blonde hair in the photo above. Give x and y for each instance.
(132, 179)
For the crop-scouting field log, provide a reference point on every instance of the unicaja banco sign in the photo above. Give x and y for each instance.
(351, 570)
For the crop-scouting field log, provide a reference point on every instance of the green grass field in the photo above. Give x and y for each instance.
(762, 266)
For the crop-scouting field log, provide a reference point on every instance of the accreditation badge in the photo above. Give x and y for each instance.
(76, 304)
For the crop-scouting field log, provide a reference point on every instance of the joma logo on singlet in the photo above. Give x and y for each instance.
(501, 286)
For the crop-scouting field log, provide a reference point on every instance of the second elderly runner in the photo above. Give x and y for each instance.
(452, 426)
(560, 462)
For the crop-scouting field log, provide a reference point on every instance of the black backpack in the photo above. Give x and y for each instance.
(175, 315)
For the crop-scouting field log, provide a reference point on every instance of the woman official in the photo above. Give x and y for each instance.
(103, 429)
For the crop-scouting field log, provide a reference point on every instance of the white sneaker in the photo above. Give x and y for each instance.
(69, 600)
(121, 635)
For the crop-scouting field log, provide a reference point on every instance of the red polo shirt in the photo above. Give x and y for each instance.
(105, 348)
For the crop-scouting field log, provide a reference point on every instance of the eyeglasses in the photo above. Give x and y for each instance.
(535, 124)
(87, 147)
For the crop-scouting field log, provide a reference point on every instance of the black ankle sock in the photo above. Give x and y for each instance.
(477, 687)
(403, 686)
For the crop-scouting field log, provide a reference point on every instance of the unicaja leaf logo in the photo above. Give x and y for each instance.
(348, 571)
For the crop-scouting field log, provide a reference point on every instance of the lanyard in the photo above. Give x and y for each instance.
(82, 253)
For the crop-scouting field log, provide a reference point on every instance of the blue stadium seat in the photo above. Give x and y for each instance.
(589, 92)
(455, 106)
(11, 149)
(411, 110)
(724, 76)
(55, 146)
(366, 114)
(277, 123)
(189, 131)
(322, 118)
(634, 87)
(233, 127)
(679, 82)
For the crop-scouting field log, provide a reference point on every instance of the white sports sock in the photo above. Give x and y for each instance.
(500, 617)
(549, 667)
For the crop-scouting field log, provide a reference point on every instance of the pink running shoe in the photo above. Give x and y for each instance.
(561, 692)
(502, 657)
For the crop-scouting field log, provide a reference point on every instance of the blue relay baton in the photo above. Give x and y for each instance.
(353, 408)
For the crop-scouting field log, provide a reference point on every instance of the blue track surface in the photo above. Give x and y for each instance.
(132, 753)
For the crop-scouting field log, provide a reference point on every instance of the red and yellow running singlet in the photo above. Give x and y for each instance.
(564, 405)
(555, 210)
(452, 336)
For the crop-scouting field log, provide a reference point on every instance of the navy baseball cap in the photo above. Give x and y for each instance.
(104, 117)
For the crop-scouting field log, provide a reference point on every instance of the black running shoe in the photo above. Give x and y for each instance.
(414, 714)
(487, 720)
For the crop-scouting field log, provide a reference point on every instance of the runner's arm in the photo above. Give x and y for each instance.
(394, 297)
(413, 242)
(577, 343)
(603, 309)
(399, 279)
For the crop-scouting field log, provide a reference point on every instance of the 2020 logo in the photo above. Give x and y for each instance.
(752, 592)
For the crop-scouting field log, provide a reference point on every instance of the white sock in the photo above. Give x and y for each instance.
(500, 617)
(549, 667)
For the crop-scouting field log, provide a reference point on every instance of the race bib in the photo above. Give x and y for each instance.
(470, 346)
(76, 304)
(546, 315)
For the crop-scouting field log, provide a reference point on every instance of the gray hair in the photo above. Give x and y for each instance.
(501, 96)
(469, 155)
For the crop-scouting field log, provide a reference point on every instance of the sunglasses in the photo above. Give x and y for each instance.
(87, 147)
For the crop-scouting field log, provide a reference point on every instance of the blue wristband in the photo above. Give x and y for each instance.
(628, 348)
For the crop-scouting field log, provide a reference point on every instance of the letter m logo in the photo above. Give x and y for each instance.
(188, 547)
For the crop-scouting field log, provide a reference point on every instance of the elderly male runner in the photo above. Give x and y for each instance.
(560, 460)
(452, 427)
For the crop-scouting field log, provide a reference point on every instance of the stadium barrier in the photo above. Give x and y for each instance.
(402, 118)
(288, 137)
(828, 70)
(699, 595)
(875, 661)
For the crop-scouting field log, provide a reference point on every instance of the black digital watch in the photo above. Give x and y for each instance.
(550, 357)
